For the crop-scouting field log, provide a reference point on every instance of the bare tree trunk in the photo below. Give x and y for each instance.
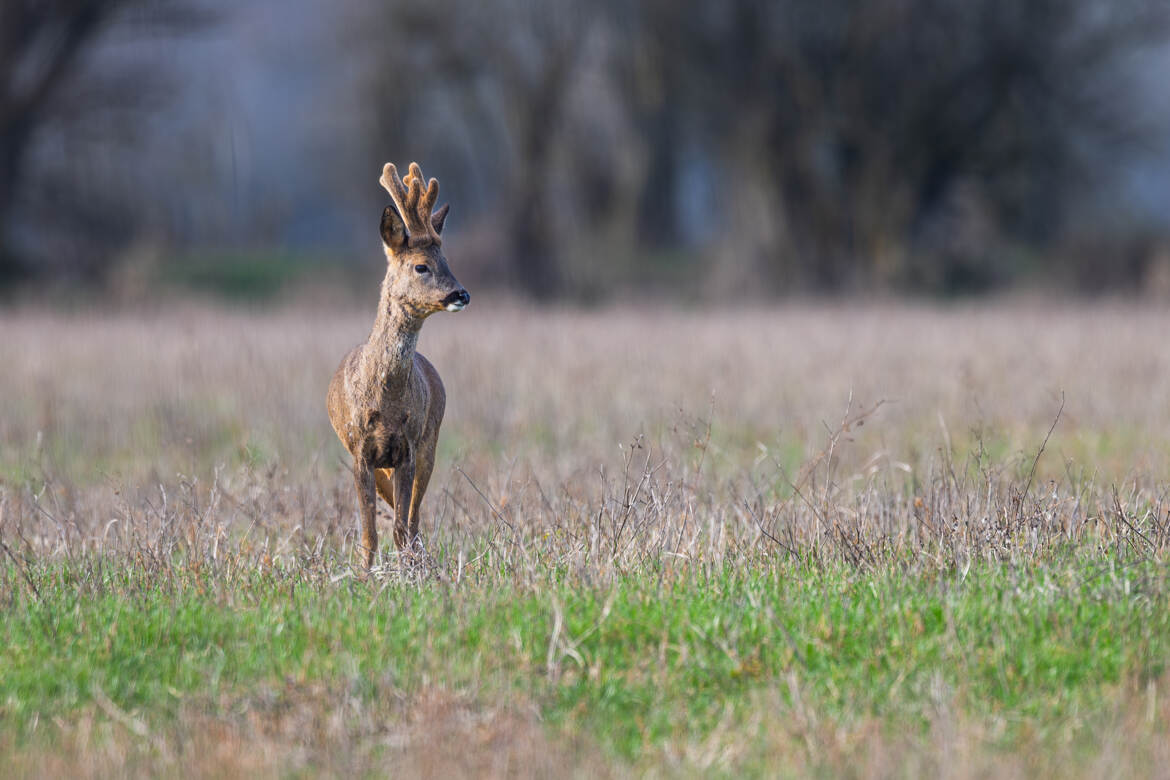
(13, 139)
(658, 219)
(535, 257)
(70, 27)
(534, 260)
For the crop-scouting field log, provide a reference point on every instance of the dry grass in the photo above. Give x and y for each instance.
(436, 734)
(193, 442)
(440, 734)
(688, 429)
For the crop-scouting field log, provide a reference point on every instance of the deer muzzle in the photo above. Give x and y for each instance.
(456, 300)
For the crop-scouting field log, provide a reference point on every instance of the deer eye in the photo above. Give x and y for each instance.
(421, 268)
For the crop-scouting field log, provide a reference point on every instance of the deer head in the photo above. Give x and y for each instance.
(417, 271)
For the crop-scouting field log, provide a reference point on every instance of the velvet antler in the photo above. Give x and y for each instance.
(415, 204)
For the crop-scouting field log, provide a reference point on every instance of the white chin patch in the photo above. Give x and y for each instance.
(455, 306)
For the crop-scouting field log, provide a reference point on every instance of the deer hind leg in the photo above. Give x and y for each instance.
(403, 481)
(384, 479)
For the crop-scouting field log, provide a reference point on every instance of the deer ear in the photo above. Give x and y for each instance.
(440, 216)
(394, 233)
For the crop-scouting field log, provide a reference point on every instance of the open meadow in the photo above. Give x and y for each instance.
(839, 539)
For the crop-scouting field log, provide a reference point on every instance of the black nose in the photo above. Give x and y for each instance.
(459, 297)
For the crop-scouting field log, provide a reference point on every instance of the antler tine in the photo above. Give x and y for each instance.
(413, 191)
(427, 204)
(414, 172)
(393, 184)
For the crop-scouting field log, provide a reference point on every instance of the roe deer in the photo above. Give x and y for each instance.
(386, 400)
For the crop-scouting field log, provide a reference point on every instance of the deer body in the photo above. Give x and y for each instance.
(385, 400)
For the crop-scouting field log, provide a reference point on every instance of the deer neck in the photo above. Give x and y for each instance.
(388, 358)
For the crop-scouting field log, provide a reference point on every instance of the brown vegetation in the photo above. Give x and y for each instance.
(723, 409)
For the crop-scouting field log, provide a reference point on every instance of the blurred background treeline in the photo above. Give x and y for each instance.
(727, 150)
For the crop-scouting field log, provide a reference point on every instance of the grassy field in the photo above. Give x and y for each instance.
(821, 539)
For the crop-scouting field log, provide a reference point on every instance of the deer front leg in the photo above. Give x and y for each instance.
(363, 477)
(422, 477)
(404, 535)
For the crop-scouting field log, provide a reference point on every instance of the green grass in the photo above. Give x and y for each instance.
(637, 664)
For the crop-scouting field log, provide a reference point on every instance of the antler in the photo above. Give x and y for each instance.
(415, 204)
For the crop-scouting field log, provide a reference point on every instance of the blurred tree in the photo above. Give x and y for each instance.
(869, 118)
(500, 81)
(39, 44)
(852, 142)
(43, 48)
(804, 144)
